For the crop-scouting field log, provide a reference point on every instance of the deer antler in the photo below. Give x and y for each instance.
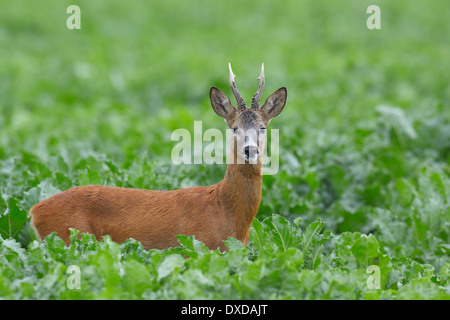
(239, 100)
(257, 97)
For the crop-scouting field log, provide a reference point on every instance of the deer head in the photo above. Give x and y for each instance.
(248, 124)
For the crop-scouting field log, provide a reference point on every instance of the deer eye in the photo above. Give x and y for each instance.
(262, 130)
(234, 130)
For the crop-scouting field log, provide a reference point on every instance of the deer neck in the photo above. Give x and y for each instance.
(240, 194)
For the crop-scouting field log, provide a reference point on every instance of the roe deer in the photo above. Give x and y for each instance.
(211, 213)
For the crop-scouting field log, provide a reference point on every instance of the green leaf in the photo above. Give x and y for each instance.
(397, 119)
(13, 219)
(406, 191)
(233, 244)
(191, 246)
(312, 242)
(284, 234)
(169, 264)
(366, 250)
(257, 236)
(43, 190)
(292, 258)
(422, 289)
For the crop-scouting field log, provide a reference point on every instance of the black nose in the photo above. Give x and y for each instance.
(250, 151)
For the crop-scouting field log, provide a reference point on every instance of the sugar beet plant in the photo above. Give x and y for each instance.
(359, 207)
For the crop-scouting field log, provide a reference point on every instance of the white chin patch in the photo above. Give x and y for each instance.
(251, 160)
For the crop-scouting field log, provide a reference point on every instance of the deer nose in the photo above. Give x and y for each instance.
(251, 152)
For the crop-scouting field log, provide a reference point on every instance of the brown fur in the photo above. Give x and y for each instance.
(211, 213)
(154, 218)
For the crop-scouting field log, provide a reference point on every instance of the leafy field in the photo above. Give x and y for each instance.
(364, 178)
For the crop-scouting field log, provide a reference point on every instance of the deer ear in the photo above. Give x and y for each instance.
(275, 103)
(220, 103)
